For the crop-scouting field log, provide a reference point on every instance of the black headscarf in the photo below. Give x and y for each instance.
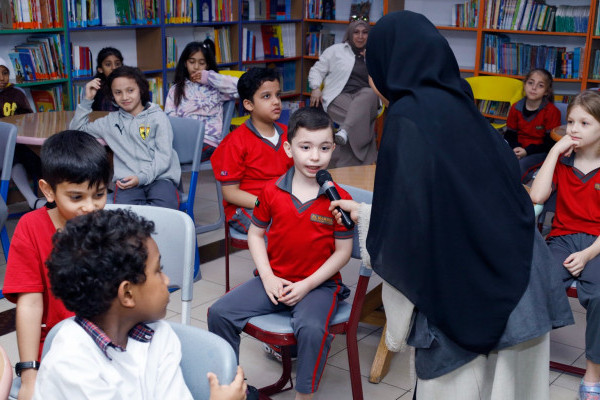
(451, 227)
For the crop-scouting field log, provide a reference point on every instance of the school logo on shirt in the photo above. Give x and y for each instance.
(224, 173)
(321, 219)
(597, 186)
(540, 127)
(144, 131)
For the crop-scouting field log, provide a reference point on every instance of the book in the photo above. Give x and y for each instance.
(44, 100)
(17, 67)
(28, 65)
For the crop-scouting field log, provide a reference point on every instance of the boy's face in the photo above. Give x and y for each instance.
(4, 75)
(152, 296)
(73, 199)
(266, 102)
(127, 95)
(108, 64)
(311, 150)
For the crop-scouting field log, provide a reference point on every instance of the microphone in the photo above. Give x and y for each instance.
(326, 182)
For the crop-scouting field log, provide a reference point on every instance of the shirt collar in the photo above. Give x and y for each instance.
(251, 126)
(569, 161)
(285, 182)
(141, 332)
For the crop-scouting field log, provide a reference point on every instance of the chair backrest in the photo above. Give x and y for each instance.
(8, 140)
(28, 97)
(203, 352)
(496, 88)
(228, 110)
(562, 107)
(188, 137)
(176, 239)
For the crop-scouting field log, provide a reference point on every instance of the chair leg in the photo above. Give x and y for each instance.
(227, 244)
(354, 365)
(286, 375)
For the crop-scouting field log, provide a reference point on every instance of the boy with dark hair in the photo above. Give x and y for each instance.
(75, 171)
(253, 153)
(299, 270)
(106, 268)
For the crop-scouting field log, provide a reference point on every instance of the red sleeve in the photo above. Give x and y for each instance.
(24, 268)
(513, 118)
(261, 215)
(228, 160)
(341, 232)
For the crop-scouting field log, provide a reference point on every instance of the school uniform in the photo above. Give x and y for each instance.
(300, 239)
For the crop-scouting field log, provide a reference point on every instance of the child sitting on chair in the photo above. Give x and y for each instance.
(147, 168)
(106, 268)
(253, 153)
(299, 271)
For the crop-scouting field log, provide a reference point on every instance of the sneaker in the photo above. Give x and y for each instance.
(252, 393)
(589, 392)
(341, 137)
(275, 351)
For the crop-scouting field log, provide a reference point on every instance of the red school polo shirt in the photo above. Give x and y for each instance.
(302, 235)
(244, 157)
(577, 200)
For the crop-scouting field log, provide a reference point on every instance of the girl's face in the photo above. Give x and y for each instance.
(583, 127)
(108, 64)
(127, 95)
(536, 87)
(195, 64)
(359, 36)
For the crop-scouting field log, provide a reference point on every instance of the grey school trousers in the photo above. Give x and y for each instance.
(588, 285)
(160, 193)
(310, 321)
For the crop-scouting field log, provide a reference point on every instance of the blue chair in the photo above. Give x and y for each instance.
(8, 140)
(276, 329)
(562, 107)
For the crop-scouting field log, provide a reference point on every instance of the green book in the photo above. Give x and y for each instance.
(123, 12)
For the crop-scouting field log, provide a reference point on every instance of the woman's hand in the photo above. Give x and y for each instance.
(316, 98)
(347, 205)
(92, 87)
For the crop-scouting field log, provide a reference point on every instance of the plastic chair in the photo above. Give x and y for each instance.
(203, 352)
(176, 239)
(233, 238)
(8, 140)
(562, 107)
(276, 329)
(496, 88)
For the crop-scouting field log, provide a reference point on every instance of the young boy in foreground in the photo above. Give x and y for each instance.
(75, 171)
(299, 271)
(106, 268)
(252, 154)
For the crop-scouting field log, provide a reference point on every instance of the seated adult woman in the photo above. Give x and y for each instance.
(347, 97)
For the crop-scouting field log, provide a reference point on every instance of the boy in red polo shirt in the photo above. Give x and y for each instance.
(299, 271)
(252, 154)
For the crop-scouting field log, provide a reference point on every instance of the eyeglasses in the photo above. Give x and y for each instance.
(359, 18)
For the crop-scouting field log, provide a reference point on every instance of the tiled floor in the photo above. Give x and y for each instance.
(567, 344)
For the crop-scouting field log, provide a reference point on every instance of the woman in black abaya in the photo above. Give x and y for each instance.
(452, 230)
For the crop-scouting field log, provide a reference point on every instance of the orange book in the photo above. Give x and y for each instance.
(43, 99)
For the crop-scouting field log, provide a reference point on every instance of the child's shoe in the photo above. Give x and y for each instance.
(341, 137)
(275, 351)
(252, 393)
(589, 392)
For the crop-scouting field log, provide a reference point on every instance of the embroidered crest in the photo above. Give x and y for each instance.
(144, 131)
(597, 186)
(223, 173)
(540, 127)
(321, 219)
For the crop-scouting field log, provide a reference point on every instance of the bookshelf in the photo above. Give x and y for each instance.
(501, 25)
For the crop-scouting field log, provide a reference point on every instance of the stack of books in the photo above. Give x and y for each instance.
(465, 14)
(83, 13)
(82, 62)
(30, 14)
(139, 12)
(40, 58)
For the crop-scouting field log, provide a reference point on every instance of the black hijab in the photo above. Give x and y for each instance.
(451, 227)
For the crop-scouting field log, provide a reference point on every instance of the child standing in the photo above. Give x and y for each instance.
(253, 153)
(571, 168)
(75, 174)
(116, 347)
(146, 167)
(531, 119)
(108, 60)
(299, 273)
(199, 92)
